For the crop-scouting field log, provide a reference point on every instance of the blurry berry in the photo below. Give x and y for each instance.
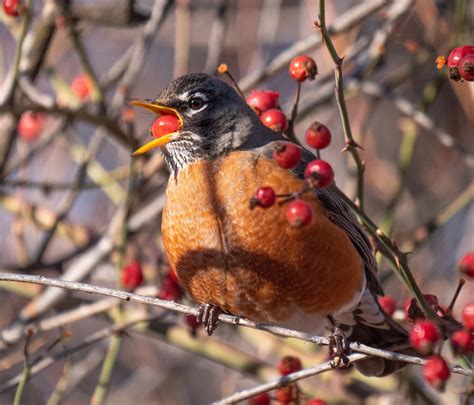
(263, 100)
(287, 154)
(30, 125)
(170, 288)
(303, 67)
(462, 342)
(289, 364)
(466, 67)
(436, 372)
(164, 125)
(13, 8)
(193, 323)
(468, 316)
(319, 172)
(318, 136)
(264, 197)
(275, 120)
(82, 86)
(132, 275)
(317, 402)
(260, 399)
(424, 336)
(388, 304)
(287, 394)
(298, 213)
(466, 264)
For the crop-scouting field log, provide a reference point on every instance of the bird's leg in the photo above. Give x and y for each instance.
(338, 348)
(208, 315)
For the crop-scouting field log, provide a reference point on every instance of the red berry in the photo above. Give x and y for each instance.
(170, 288)
(263, 100)
(263, 197)
(458, 53)
(319, 173)
(193, 323)
(318, 135)
(287, 154)
(164, 125)
(454, 59)
(468, 316)
(30, 125)
(388, 304)
(298, 213)
(316, 402)
(303, 67)
(462, 342)
(289, 364)
(466, 67)
(424, 336)
(260, 399)
(275, 120)
(436, 372)
(82, 86)
(287, 395)
(466, 264)
(132, 275)
(12, 8)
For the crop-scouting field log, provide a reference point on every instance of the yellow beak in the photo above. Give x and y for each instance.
(162, 140)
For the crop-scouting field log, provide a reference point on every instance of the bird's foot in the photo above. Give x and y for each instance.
(208, 315)
(338, 348)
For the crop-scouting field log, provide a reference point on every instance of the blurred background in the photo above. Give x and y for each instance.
(74, 204)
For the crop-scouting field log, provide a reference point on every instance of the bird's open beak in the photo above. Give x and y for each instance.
(160, 110)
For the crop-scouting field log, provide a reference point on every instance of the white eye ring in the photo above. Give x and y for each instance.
(201, 101)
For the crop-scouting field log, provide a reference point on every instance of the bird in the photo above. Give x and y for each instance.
(250, 262)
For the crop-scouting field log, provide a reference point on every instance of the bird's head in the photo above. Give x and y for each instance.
(213, 120)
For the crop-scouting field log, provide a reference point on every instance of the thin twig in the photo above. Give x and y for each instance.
(234, 320)
(351, 144)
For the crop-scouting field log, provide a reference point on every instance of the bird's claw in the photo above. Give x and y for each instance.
(208, 315)
(338, 348)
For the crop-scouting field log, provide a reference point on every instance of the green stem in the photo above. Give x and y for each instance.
(107, 369)
(351, 144)
(396, 258)
(21, 386)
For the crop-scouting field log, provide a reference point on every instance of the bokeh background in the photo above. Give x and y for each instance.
(73, 193)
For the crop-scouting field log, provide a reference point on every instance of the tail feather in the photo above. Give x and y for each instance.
(369, 324)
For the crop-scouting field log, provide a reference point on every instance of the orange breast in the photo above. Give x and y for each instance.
(251, 262)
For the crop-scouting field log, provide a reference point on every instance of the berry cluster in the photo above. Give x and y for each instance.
(460, 63)
(287, 155)
(288, 394)
(425, 334)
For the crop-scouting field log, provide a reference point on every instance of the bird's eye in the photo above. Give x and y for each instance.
(196, 103)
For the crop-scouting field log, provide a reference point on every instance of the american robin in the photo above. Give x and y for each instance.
(252, 263)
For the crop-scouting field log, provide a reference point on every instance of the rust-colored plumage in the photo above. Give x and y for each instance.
(252, 262)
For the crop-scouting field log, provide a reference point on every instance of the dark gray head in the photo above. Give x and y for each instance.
(214, 119)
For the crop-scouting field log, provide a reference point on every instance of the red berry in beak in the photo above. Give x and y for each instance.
(164, 125)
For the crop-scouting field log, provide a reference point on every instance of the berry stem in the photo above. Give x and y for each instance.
(290, 132)
(456, 295)
(225, 70)
(351, 144)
